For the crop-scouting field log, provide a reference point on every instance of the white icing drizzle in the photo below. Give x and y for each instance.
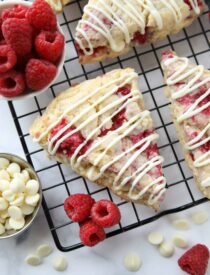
(134, 9)
(157, 186)
(193, 74)
(206, 182)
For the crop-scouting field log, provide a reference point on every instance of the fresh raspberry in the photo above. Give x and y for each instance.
(78, 207)
(105, 213)
(8, 58)
(3, 42)
(18, 11)
(39, 73)
(1, 34)
(49, 45)
(41, 16)
(23, 60)
(12, 83)
(195, 260)
(125, 90)
(91, 233)
(18, 34)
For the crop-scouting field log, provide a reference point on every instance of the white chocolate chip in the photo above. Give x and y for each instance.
(32, 187)
(18, 201)
(4, 175)
(132, 262)
(15, 212)
(8, 195)
(17, 185)
(32, 200)
(4, 185)
(7, 225)
(13, 168)
(3, 204)
(60, 263)
(2, 229)
(27, 209)
(26, 175)
(4, 163)
(44, 250)
(19, 176)
(33, 260)
(155, 238)
(181, 224)
(166, 249)
(180, 241)
(4, 214)
(200, 217)
(17, 224)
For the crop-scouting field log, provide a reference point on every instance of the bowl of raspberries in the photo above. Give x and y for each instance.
(32, 48)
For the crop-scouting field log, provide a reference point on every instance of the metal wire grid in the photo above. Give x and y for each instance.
(59, 181)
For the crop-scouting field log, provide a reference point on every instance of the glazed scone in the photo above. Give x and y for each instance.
(188, 88)
(101, 129)
(57, 5)
(109, 28)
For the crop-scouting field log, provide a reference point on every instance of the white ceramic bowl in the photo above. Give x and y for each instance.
(30, 218)
(9, 4)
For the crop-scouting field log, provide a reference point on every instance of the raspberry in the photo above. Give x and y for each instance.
(78, 207)
(1, 34)
(39, 73)
(139, 38)
(23, 60)
(91, 233)
(105, 213)
(18, 34)
(12, 83)
(49, 45)
(41, 16)
(70, 144)
(195, 260)
(8, 58)
(18, 11)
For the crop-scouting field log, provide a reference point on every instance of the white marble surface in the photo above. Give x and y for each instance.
(105, 258)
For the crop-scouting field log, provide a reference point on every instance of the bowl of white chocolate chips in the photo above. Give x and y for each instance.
(20, 195)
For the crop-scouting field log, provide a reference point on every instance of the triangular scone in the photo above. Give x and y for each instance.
(109, 28)
(188, 87)
(101, 129)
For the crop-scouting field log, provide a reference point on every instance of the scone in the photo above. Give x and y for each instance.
(109, 28)
(101, 129)
(188, 88)
(57, 5)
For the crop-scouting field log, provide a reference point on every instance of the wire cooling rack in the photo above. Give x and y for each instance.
(59, 181)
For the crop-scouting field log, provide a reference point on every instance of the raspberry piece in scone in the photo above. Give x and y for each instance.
(78, 207)
(70, 144)
(18, 11)
(195, 260)
(41, 16)
(49, 45)
(91, 233)
(105, 213)
(8, 58)
(12, 83)
(18, 34)
(39, 73)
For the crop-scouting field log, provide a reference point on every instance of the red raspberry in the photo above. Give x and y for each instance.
(195, 260)
(18, 34)
(3, 42)
(78, 207)
(8, 58)
(49, 45)
(18, 11)
(39, 73)
(12, 83)
(91, 233)
(23, 60)
(41, 16)
(1, 34)
(105, 213)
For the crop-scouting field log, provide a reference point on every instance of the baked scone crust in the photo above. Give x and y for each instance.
(158, 18)
(122, 86)
(187, 129)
